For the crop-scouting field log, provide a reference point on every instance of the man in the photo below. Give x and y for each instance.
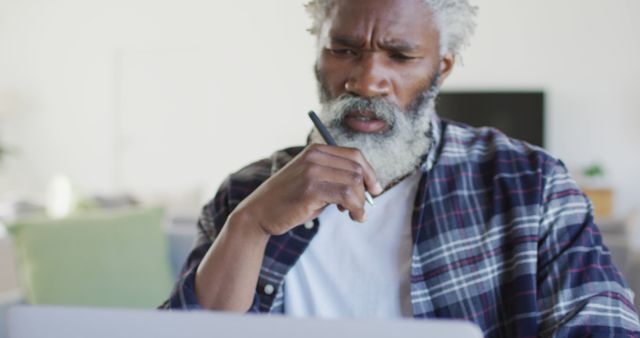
(467, 223)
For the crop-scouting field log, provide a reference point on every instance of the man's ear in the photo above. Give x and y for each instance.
(446, 66)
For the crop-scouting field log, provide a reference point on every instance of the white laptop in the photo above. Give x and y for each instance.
(61, 322)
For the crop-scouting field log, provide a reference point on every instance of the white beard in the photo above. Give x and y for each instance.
(394, 153)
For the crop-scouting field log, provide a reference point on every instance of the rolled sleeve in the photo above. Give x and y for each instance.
(212, 219)
(183, 296)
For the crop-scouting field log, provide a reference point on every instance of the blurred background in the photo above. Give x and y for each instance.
(118, 120)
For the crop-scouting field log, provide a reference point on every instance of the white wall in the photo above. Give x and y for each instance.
(151, 96)
(167, 97)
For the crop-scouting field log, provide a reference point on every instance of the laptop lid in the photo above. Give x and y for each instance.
(59, 322)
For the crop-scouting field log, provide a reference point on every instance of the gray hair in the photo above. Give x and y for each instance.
(455, 20)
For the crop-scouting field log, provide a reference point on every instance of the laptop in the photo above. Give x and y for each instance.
(63, 322)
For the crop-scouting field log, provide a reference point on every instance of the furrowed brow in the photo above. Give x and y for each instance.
(347, 41)
(400, 46)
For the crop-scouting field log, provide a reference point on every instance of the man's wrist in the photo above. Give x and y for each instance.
(247, 227)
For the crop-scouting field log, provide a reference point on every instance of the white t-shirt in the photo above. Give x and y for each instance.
(353, 269)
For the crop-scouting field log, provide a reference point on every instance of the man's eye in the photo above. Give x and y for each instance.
(342, 51)
(402, 57)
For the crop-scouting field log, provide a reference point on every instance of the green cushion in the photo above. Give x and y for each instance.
(110, 259)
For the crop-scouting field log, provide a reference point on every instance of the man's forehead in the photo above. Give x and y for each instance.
(401, 22)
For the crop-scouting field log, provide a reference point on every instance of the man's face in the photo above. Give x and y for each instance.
(377, 49)
(379, 70)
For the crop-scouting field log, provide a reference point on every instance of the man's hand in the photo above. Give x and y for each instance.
(318, 176)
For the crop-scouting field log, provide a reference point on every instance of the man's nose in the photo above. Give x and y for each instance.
(368, 77)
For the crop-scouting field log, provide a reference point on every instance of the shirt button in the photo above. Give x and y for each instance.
(309, 225)
(268, 289)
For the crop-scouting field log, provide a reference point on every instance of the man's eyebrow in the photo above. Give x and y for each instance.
(400, 46)
(347, 41)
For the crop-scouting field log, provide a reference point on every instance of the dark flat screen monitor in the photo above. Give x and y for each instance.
(518, 114)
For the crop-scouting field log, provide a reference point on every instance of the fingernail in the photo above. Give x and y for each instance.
(378, 189)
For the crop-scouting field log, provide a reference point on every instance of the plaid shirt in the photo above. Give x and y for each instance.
(502, 237)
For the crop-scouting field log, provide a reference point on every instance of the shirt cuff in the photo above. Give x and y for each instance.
(184, 296)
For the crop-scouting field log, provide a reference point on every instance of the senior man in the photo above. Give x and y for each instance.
(467, 223)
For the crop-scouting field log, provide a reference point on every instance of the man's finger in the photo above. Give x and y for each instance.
(345, 196)
(335, 174)
(355, 162)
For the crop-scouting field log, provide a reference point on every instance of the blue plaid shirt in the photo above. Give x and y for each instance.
(502, 237)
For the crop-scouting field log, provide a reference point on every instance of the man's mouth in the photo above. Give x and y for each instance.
(365, 122)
